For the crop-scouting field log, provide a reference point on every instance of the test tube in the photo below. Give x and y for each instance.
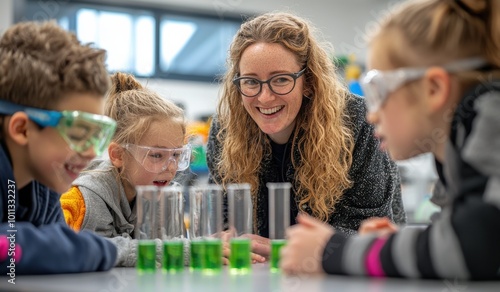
(172, 214)
(197, 245)
(240, 223)
(211, 226)
(279, 219)
(147, 227)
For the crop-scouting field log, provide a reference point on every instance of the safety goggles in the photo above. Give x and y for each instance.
(377, 85)
(79, 129)
(157, 160)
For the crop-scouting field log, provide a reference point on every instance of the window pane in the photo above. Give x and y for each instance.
(115, 35)
(86, 25)
(174, 36)
(144, 46)
(127, 38)
(64, 22)
(194, 46)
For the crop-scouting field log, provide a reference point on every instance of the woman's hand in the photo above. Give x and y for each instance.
(258, 247)
(303, 251)
(382, 226)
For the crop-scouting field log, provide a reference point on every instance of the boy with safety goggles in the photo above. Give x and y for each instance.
(51, 104)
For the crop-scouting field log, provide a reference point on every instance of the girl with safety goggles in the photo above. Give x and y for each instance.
(147, 149)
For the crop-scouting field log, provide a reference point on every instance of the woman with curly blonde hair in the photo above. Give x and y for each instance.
(285, 117)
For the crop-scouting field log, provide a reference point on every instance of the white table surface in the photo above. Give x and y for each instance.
(260, 279)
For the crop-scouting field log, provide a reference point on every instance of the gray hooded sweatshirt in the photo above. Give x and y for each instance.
(108, 212)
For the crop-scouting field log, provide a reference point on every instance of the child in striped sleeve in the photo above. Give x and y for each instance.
(433, 86)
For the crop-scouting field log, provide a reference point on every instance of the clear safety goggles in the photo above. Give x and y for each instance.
(377, 85)
(81, 130)
(157, 160)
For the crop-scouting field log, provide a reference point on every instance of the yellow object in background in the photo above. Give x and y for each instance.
(352, 69)
(352, 74)
(198, 128)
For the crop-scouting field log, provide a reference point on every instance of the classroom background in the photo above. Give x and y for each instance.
(178, 49)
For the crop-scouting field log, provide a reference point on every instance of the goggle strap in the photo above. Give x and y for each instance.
(43, 118)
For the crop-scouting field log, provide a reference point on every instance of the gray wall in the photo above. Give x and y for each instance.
(6, 14)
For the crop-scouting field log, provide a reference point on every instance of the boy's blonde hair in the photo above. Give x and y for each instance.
(41, 62)
(134, 108)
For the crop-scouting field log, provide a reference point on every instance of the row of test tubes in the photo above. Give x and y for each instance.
(160, 215)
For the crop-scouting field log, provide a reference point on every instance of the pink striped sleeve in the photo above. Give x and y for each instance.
(372, 262)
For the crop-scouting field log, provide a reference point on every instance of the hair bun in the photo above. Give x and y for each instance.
(123, 82)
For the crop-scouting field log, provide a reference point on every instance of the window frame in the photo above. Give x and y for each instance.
(69, 9)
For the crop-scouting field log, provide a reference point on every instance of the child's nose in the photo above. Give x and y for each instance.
(171, 166)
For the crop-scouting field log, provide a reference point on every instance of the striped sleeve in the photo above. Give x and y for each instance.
(461, 245)
(464, 243)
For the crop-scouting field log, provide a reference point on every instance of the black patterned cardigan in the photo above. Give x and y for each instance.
(375, 191)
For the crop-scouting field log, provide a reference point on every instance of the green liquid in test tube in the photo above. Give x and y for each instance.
(276, 245)
(148, 206)
(279, 220)
(172, 228)
(240, 224)
(213, 259)
(146, 256)
(198, 255)
(239, 260)
(173, 256)
(206, 213)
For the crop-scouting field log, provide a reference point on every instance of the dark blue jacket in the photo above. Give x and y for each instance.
(34, 238)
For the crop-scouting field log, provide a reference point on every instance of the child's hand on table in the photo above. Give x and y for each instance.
(304, 249)
(383, 226)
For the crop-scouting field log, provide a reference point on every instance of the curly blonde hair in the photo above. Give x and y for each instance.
(327, 144)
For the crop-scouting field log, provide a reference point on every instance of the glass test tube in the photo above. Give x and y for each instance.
(147, 227)
(172, 214)
(240, 223)
(197, 244)
(211, 226)
(279, 219)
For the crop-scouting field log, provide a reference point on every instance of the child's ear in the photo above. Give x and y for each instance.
(437, 88)
(17, 128)
(115, 153)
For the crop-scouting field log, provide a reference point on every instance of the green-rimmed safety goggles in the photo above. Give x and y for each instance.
(79, 129)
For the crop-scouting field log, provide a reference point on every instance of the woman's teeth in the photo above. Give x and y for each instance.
(270, 111)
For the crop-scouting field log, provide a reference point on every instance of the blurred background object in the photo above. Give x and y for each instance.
(418, 176)
(198, 136)
(352, 73)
